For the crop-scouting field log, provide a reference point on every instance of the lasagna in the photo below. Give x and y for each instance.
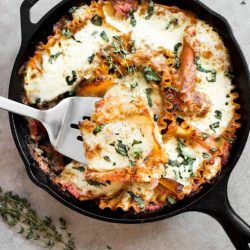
(167, 117)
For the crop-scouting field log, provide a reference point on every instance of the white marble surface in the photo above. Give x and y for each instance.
(186, 231)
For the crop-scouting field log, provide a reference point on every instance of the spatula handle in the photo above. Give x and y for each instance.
(20, 109)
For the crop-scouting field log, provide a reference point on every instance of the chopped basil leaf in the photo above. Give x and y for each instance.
(132, 18)
(205, 155)
(133, 49)
(71, 80)
(156, 117)
(231, 140)
(173, 22)
(38, 100)
(132, 163)
(171, 200)
(243, 2)
(54, 57)
(150, 10)
(109, 247)
(150, 75)
(72, 9)
(187, 158)
(137, 153)
(218, 114)
(177, 60)
(230, 74)
(174, 163)
(80, 168)
(106, 158)
(213, 150)
(91, 58)
(67, 33)
(226, 103)
(149, 93)
(98, 129)
(96, 20)
(214, 126)
(135, 142)
(137, 199)
(114, 163)
(96, 183)
(204, 135)
(201, 69)
(122, 149)
(104, 36)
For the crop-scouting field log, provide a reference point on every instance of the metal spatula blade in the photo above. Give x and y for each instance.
(61, 122)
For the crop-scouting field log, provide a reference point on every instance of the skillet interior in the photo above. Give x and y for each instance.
(40, 32)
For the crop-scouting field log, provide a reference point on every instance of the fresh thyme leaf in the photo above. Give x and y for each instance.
(230, 74)
(204, 135)
(104, 36)
(96, 183)
(91, 58)
(96, 20)
(16, 211)
(98, 129)
(132, 18)
(137, 199)
(215, 125)
(67, 33)
(205, 155)
(72, 9)
(150, 10)
(150, 75)
(173, 22)
(171, 200)
(54, 57)
(177, 60)
(106, 158)
(71, 80)
(135, 142)
(149, 92)
(212, 72)
(137, 153)
(80, 168)
(122, 149)
(218, 114)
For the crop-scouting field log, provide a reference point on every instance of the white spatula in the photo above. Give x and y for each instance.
(60, 122)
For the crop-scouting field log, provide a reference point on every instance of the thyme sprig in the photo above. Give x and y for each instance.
(17, 212)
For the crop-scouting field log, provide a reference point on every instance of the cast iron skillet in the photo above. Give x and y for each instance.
(212, 200)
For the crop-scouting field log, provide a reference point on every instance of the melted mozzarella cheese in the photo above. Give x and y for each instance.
(71, 175)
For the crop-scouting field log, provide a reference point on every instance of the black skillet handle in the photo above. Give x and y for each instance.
(216, 204)
(27, 26)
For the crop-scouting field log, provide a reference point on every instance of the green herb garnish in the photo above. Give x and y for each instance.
(17, 212)
(230, 74)
(72, 9)
(96, 183)
(174, 163)
(91, 58)
(218, 114)
(133, 85)
(135, 142)
(212, 72)
(137, 199)
(98, 129)
(94, 33)
(72, 79)
(156, 117)
(80, 168)
(149, 92)
(106, 158)
(151, 75)
(122, 149)
(214, 126)
(54, 57)
(104, 36)
(67, 33)
(213, 150)
(204, 135)
(173, 22)
(171, 200)
(132, 18)
(96, 20)
(177, 60)
(187, 158)
(205, 155)
(137, 153)
(150, 10)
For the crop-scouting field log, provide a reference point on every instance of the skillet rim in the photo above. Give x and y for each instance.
(184, 206)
